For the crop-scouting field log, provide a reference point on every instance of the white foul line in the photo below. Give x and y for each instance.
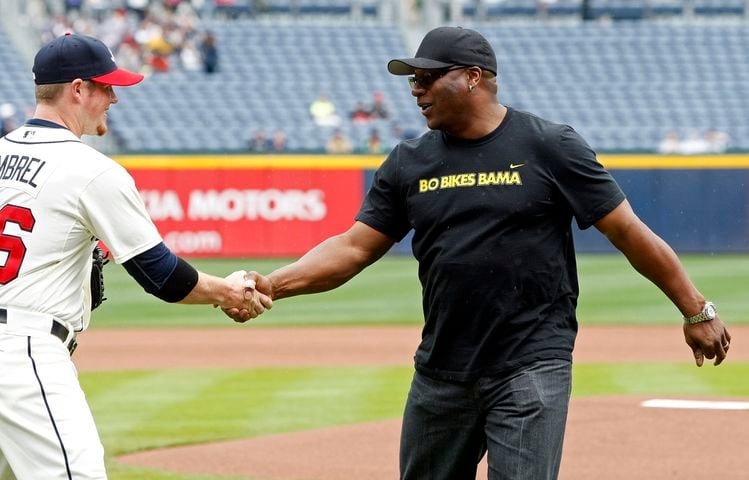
(694, 404)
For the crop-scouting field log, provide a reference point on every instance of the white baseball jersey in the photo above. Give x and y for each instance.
(57, 197)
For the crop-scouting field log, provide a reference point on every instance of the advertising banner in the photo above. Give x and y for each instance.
(249, 212)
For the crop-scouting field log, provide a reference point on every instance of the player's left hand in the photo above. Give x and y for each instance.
(709, 340)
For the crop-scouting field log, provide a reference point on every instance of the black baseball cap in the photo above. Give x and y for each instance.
(445, 47)
(72, 56)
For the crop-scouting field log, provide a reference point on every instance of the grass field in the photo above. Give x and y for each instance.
(388, 292)
(144, 410)
(138, 410)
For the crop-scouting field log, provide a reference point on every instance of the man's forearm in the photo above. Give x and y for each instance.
(327, 266)
(655, 260)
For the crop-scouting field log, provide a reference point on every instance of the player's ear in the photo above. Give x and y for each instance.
(76, 86)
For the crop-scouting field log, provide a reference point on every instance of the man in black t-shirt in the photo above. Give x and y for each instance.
(490, 193)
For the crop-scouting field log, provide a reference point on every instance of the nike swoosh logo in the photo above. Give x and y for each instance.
(516, 165)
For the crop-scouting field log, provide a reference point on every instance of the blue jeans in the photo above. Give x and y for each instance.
(518, 418)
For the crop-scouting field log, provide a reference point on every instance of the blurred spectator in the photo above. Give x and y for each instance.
(713, 141)
(138, 7)
(260, 143)
(399, 133)
(378, 109)
(717, 141)
(360, 114)
(129, 56)
(694, 144)
(57, 25)
(144, 35)
(324, 112)
(586, 10)
(7, 119)
(151, 38)
(172, 4)
(542, 7)
(190, 57)
(670, 144)
(101, 9)
(338, 143)
(209, 52)
(115, 29)
(235, 8)
(374, 142)
(278, 141)
(73, 5)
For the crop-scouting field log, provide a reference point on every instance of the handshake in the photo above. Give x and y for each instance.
(251, 295)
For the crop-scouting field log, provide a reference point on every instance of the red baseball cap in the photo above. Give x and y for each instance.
(72, 56)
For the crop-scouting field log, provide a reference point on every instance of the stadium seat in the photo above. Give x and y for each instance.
(622, 85)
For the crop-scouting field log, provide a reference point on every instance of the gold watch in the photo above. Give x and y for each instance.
(708, 313)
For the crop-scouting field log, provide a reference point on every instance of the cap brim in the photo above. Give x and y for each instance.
(120, 78)
(407, 66)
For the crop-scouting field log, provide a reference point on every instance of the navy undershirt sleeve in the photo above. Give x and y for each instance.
(162, 274)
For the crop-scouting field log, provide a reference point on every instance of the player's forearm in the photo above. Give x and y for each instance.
(215, 291)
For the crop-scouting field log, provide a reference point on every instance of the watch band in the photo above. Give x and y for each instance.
(708, 313)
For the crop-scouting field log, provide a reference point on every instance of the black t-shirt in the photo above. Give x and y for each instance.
(492, 233)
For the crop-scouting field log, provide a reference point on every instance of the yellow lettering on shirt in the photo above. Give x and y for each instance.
(500, 178)
(462, 180)
(459, 180)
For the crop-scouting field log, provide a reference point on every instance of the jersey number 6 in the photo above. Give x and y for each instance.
(12, 244)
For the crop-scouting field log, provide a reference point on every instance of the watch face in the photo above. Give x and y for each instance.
(710, 311)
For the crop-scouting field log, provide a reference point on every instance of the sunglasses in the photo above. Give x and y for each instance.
(427, 79)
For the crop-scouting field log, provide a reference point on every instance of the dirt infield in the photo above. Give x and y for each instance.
(608, 438)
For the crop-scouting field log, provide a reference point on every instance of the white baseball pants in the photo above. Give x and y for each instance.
(46, 427)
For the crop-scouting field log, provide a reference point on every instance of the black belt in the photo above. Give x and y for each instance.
(58, 330)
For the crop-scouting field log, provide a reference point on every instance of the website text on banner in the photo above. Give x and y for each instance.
(248, 212)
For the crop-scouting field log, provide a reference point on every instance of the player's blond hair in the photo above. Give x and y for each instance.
(48, 93)
(51, 93)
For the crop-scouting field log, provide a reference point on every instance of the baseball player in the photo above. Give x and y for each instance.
(58, 197)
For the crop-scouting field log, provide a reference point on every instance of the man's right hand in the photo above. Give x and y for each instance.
(255, 302)
(258, 294)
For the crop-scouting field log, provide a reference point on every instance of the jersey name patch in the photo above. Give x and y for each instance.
(21, 168)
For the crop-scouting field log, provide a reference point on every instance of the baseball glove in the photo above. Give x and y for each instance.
(98, 260)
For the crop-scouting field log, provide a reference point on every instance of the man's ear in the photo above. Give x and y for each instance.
(474, 76)
(76, 86)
